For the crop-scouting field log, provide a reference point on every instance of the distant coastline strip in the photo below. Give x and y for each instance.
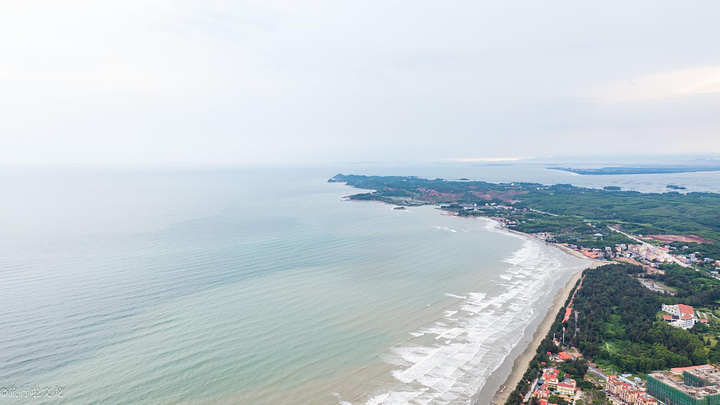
(620, 170)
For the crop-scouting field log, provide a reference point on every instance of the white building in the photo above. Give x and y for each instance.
(683, 316)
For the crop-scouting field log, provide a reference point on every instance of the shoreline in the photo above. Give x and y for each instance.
(522, 361)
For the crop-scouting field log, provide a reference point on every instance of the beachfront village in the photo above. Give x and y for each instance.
(599, 241)
(692, 385)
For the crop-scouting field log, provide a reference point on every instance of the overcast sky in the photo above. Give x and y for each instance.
(268, 81)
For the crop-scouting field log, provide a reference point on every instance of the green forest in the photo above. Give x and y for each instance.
(618, 325)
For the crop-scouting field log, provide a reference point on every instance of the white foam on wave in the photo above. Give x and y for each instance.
(491, 225)
(466, 349)
(527, 254)
(443, 228)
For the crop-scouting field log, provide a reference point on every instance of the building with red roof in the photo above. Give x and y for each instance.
(628, 393)
(686, 309)
(567, 388)
(681, 315)
(549, 385)
(680, 370)
(645, 399)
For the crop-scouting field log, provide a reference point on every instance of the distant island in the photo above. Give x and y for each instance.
(674, 187)
(625, 324)
(638, 170)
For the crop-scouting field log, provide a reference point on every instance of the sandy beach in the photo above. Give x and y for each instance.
(523, 360)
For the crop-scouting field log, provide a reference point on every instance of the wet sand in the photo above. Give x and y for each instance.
(522, 362)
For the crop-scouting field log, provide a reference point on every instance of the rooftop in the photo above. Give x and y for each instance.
(679, 370)
(686, 309)
(710, 376)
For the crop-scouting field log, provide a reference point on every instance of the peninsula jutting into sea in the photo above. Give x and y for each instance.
(642, 326)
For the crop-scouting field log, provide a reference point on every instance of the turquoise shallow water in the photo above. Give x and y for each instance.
(158, 286)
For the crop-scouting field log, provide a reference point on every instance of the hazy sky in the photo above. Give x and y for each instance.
(151, 81)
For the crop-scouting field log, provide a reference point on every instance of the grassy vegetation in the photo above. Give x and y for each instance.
(694, 288)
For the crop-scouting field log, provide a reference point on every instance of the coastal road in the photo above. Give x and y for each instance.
(529, 393)
(653, 248)
(597, 372)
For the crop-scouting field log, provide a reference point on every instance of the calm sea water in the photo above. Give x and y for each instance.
(159, 286)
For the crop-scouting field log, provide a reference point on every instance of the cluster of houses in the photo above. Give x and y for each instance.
(694, 258)
(644, 253)
(549, 385)
(681, 316)
(662, 254)
(628, 391)
(696, 383)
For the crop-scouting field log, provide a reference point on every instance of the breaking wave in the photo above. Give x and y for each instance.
(449, 362)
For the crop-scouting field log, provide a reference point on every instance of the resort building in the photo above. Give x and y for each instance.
(695, 386)
(681, 316)
(678, 310)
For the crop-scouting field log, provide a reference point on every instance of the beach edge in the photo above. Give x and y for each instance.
(522, 361)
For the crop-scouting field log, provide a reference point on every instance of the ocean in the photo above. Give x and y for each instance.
(179, 285)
